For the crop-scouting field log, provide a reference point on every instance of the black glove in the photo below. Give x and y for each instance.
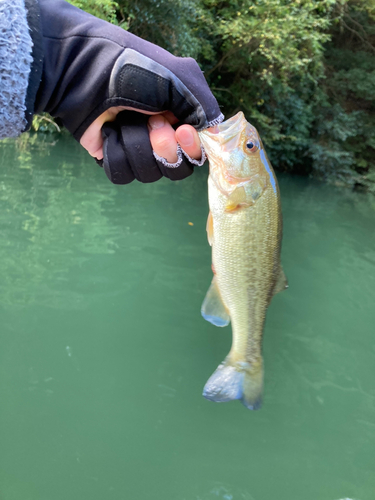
(91, 65)
(128, 154)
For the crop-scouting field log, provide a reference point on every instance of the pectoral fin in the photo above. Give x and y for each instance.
(210, 229)
(245, 195)
(236, 199)
(213, 309)
(281, 282)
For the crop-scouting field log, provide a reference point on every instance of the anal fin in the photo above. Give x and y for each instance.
(213, 309)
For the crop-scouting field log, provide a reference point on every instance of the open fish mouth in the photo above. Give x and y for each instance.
(230, 126)
(228, 129)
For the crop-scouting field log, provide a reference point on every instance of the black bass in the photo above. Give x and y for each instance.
(244, 228)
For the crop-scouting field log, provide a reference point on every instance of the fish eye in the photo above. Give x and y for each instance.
(251, 146)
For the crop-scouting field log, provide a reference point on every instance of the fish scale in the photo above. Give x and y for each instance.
(244, 229)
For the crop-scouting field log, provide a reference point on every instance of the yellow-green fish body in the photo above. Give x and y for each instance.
(244, 229)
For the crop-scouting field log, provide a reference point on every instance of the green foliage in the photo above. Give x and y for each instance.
(270, 38)
(45, 123)
(169, 23)
(104, 9)
(344, 139)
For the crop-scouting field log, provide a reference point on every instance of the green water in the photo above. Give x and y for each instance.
(104, 354)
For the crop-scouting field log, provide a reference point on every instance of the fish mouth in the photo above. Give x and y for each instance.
(228, 129)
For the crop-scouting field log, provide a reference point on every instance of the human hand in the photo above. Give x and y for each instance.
(163, 137)
(93, 71)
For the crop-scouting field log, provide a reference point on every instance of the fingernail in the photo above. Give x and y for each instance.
(186, 138)
(156, 121)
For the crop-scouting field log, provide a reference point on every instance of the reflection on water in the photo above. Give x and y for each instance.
(104, 354)
(224, 492)
(52, 220)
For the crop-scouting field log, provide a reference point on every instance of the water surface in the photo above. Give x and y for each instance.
(104, 354)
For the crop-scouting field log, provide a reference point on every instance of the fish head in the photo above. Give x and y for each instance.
(235, 151)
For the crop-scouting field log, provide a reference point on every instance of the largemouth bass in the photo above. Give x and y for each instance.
(244, 228)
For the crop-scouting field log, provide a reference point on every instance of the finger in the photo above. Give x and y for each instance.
(162, 138)
(188, 139)
(170, 117)
(92, 140)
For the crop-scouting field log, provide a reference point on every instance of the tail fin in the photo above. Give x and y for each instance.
(236, 381)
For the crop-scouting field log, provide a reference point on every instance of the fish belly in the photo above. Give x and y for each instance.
(246, 259)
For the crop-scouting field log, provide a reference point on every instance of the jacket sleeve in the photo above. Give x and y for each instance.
(21, 63)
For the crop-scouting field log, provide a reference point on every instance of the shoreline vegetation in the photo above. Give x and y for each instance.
(302, 71)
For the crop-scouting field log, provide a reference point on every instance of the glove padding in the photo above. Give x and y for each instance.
(128, 153)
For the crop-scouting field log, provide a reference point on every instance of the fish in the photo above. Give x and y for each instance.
(244, 229)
